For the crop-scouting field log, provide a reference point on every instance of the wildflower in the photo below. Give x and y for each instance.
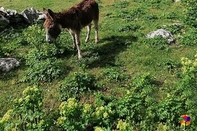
(61, 120)
(99, 110)
(35, 89)
(20, 100)
(87, 108)
(98, 129)
(62, 105)
(195, 63)
(122, 125)
(7, 116)
(26, 90)
(27, 98)
(71, 103)
(105, 114)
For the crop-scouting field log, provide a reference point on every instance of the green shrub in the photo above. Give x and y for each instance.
(189, 37)
(10, 41)
(138, 104)
(34, 35)
(180, 99)
(71, 116)
(157, 42)
(44, 71)
(115, 74)
(77, 84)
(190, 14)
(42, 64)
(121, 4)
(27, 112)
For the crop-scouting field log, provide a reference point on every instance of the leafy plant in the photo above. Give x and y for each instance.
(157, 42)
(27, 112)
(43, 66)
(189, 37)
(190, 15)
(77, 84)
(121, 4)
(138, 103)
(115, 74)
(70, 112)
(34, 35)
(44, 71)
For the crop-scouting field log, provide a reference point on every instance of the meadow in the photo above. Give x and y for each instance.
(126, 82)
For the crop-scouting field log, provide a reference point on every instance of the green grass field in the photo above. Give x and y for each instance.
(123, 50)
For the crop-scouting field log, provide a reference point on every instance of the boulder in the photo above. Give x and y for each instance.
(31, 15)
(6, 64)
(3, 21)
(162, 33)
(12, 16)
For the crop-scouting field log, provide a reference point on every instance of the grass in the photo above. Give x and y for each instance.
(122, 44)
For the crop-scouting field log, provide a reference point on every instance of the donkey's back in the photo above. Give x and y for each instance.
(74, 19)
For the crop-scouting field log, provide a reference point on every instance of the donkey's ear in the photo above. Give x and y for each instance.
(45, 11)
(49, 13)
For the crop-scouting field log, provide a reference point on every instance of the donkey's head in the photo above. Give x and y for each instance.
(52, 27)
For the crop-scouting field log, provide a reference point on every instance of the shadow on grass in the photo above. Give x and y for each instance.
(106, 53)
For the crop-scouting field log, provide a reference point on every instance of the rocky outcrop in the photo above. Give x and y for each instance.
(31, 15)
(6, 64)
(12, 17)
(161, 33)
(9, 17)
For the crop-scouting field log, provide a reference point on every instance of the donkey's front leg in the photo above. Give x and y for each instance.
(77, 43)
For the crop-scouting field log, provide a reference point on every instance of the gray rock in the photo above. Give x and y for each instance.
(8, 12)
(3, 21)
(11, 15)
(31, 15)
(6, 64)
(162, 33)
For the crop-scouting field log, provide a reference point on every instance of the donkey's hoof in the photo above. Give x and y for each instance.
(79, 57)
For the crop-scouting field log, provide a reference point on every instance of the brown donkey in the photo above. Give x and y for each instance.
(73, 20)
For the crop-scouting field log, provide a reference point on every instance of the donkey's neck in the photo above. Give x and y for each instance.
(68, 20)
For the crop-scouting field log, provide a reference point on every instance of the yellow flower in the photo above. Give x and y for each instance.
(7, 116)
(122, 125)
(27, 98)
(35, 88)
(102, 108)
(87, 108)
(192, 68)
(26, 90)
(105, 114)
(184, 70)
(71, 103)
(98, 129)
(61, 120)
(195, 63)
(99, 110)
(20, 100)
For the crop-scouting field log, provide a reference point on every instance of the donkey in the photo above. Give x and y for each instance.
(73, 19)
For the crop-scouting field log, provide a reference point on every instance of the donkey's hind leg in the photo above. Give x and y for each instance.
(96, 30)
(88, 33)
(73, 38)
